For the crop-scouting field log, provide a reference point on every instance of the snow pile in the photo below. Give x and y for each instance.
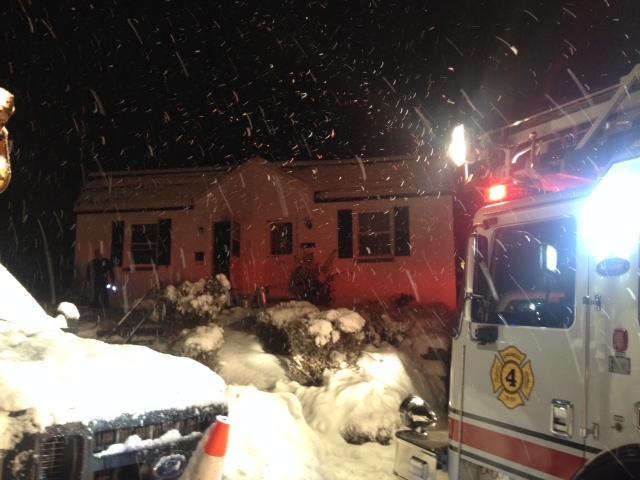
(200, 343)
(198, 300)
(19, 307)
(68, 310)
(295, 432)
(62, 378)
(282, 314)
(268, 439)
(271, 440)
(242, 361)
(361, 403)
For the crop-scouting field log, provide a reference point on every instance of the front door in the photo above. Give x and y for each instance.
(222, 248)
(280, 260)
(524, 364)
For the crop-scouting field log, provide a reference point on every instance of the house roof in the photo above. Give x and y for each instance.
(364, 178)
(146, 190)
(332, 180)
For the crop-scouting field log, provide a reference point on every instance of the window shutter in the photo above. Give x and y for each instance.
(345, 234)
(402, 232)
(164, 242)
(117, 243)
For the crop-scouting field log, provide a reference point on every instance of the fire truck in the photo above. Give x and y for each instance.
(545, 369)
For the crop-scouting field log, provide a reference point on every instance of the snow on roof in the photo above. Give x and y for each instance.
(363, 178)
(330, 180)
(147, 189)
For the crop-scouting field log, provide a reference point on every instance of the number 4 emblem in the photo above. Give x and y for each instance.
(512, 377)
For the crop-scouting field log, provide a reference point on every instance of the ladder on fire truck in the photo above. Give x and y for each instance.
(570, 127)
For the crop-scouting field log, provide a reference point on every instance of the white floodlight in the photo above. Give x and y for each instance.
(458, 148)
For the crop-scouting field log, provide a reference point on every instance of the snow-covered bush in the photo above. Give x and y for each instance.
(280, 315)
(315, 340)
(273, 322)
(194, 303)
(324, 340)
(202, 343)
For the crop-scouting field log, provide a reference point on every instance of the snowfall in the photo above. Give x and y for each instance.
(279, 428)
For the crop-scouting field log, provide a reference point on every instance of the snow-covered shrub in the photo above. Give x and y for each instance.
(316, 340)
(194, 303)
(272, 323)
(324, 340)
(283, 313)
(201, 343)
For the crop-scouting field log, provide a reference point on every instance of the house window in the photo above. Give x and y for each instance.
(281, 238)
(117, 242)
(374, 234)
(151, 243)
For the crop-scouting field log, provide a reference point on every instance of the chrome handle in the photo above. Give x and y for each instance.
(562, 418)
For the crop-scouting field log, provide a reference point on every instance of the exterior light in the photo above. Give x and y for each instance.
(457, 150)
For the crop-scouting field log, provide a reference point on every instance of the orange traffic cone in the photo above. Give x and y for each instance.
(211, 463)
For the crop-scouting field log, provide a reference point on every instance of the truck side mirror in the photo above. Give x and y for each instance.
(485, 334)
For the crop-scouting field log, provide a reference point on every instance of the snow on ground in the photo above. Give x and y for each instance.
(271, 440)
(281, 430)
(357, 402)
(244, 362)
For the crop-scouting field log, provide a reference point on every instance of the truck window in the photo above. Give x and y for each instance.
(533, 270)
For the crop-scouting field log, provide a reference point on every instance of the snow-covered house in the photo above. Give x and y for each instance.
(384, 226)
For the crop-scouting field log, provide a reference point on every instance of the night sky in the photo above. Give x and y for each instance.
(128, 85)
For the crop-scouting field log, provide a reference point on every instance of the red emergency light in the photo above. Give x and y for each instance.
(496, 193)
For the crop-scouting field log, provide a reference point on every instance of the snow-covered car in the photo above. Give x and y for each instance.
(80, 409)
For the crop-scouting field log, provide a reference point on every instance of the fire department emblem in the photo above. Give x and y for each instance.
(512, 377)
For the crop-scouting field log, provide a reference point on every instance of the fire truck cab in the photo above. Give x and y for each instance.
(545, 369)
(548, 347)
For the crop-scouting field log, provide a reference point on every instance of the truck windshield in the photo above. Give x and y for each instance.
(533, 272)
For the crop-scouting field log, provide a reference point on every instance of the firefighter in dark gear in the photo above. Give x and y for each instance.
(100, 274)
